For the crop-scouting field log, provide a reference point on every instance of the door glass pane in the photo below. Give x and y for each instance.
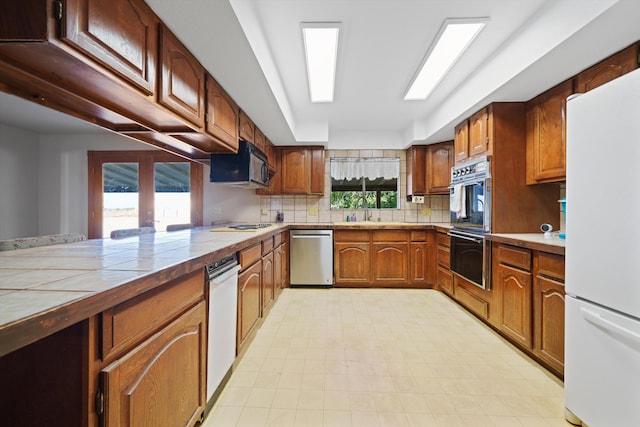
(172, 194)
(120, 197)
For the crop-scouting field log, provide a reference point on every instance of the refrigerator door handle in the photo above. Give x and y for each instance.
(598, 320)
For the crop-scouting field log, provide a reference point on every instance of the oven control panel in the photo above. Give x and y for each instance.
(473, 170)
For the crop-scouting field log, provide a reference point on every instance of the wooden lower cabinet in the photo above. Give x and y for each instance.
(268, 291)
(548, 310)
(418, 274)
(162, 381)
(249, 302)
(390, 263)
(515, 293)
(444, 278)
(277, 271)
(352, 263)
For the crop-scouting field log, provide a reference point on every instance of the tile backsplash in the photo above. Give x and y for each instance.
(316, 209)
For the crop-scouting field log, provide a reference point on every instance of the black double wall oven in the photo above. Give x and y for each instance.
(470, 206)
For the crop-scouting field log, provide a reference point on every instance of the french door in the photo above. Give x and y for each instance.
(130, 189)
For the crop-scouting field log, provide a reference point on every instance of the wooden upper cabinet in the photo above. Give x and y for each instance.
(479, 133)
(439, 163)
(609, 69)
(271, 157)
(416, 174)
(546, 117)
(247, 128)
(461, 142)
(182, 80)
(121, 35)
(260, 140)
(223, 114)
(296, 166)
(316, 185)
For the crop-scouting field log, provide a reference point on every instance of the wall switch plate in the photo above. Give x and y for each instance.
(264, 211)
(426, 211)
(217, 211)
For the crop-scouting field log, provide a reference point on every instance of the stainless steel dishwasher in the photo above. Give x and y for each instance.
(311, 258)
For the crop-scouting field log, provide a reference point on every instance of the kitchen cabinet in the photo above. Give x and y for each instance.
(275, 180)
(444, 278)
(145, 388)
(390, 258)
(271, 157)
(548, 310)
(416, 175)
(268, 273)
(260, 140)
(285, 259)
(277, 271)
(440, 160)
(223, 114)
(461, 142)
(608, 69)
(513, 284)
(249, 293)
(471, 296)
(302, 170)
(546, 143)
(246, 128)
(479, 133)
(418, 259)
(352, 253)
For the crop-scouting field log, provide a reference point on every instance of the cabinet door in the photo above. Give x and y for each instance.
(296, 165)
(145, 388)
(444, 278)
(416, 174)
(222, 114)
(546, 135)
(461, 141)
(121, 35)
(260, 140)
(285, 261)
(548, 326)
(611, 68)
(352, 263)
(515, 291)
(418, 264)
(316, 185)
(182, 80)
(249, 302)
(390, 263)
(267, 280)
(277, 271)
(479, 133)
(439, 163)
(247, 128)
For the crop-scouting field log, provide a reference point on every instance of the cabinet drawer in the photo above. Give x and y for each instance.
(267, 245)
(350, 236)
(250, 255)
(471, 301)
(444, 279)
(132, 321)
(551, 265)
(443, 240)
(419, 236)
(515, 257)
(443, 256)
(390, 236)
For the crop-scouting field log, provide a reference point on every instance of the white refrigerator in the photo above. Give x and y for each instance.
(602, 329)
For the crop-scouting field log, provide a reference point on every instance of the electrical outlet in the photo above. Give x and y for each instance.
(312, 211)
(217, 211)
(417, 199)
(426, 211)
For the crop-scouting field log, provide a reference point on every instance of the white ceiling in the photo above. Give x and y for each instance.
(254, 49)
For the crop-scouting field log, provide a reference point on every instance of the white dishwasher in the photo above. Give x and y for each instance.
(311, 258)
(223, 303)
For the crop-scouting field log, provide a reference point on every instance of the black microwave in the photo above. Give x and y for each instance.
(248, 168)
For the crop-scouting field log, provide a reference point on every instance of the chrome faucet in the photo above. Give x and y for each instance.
(367, 215)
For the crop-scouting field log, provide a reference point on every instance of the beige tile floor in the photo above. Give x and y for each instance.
(383, 357)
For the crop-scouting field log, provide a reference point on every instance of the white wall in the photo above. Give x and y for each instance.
(223, 203)
(18, 183)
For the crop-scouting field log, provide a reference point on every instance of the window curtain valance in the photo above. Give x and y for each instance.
(348, 169)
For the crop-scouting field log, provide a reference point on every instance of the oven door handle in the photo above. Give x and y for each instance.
(466, 237)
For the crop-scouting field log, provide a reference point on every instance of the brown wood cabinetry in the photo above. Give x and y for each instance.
(418, 259)
(609, 69)
(390, 258)
(444, 278)
(479, 133)
(275, 180)
(439, 163)
(270, 151)
(223, 114)
(352, 258)
(461, 142)
(547, 135)
(145, 388)
(246, 128)
(416, 175)
(249, 294)
(302, 170)
(548, 310)
(260, 141)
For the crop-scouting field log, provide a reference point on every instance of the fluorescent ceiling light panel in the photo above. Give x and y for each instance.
(321, 49)
(452, 40)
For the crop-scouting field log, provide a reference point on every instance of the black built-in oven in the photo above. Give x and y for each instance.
(470, 202)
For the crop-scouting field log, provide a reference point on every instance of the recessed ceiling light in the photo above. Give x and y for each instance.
(321, 49)
(452, 40)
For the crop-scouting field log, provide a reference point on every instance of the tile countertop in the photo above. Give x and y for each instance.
(535, 241)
